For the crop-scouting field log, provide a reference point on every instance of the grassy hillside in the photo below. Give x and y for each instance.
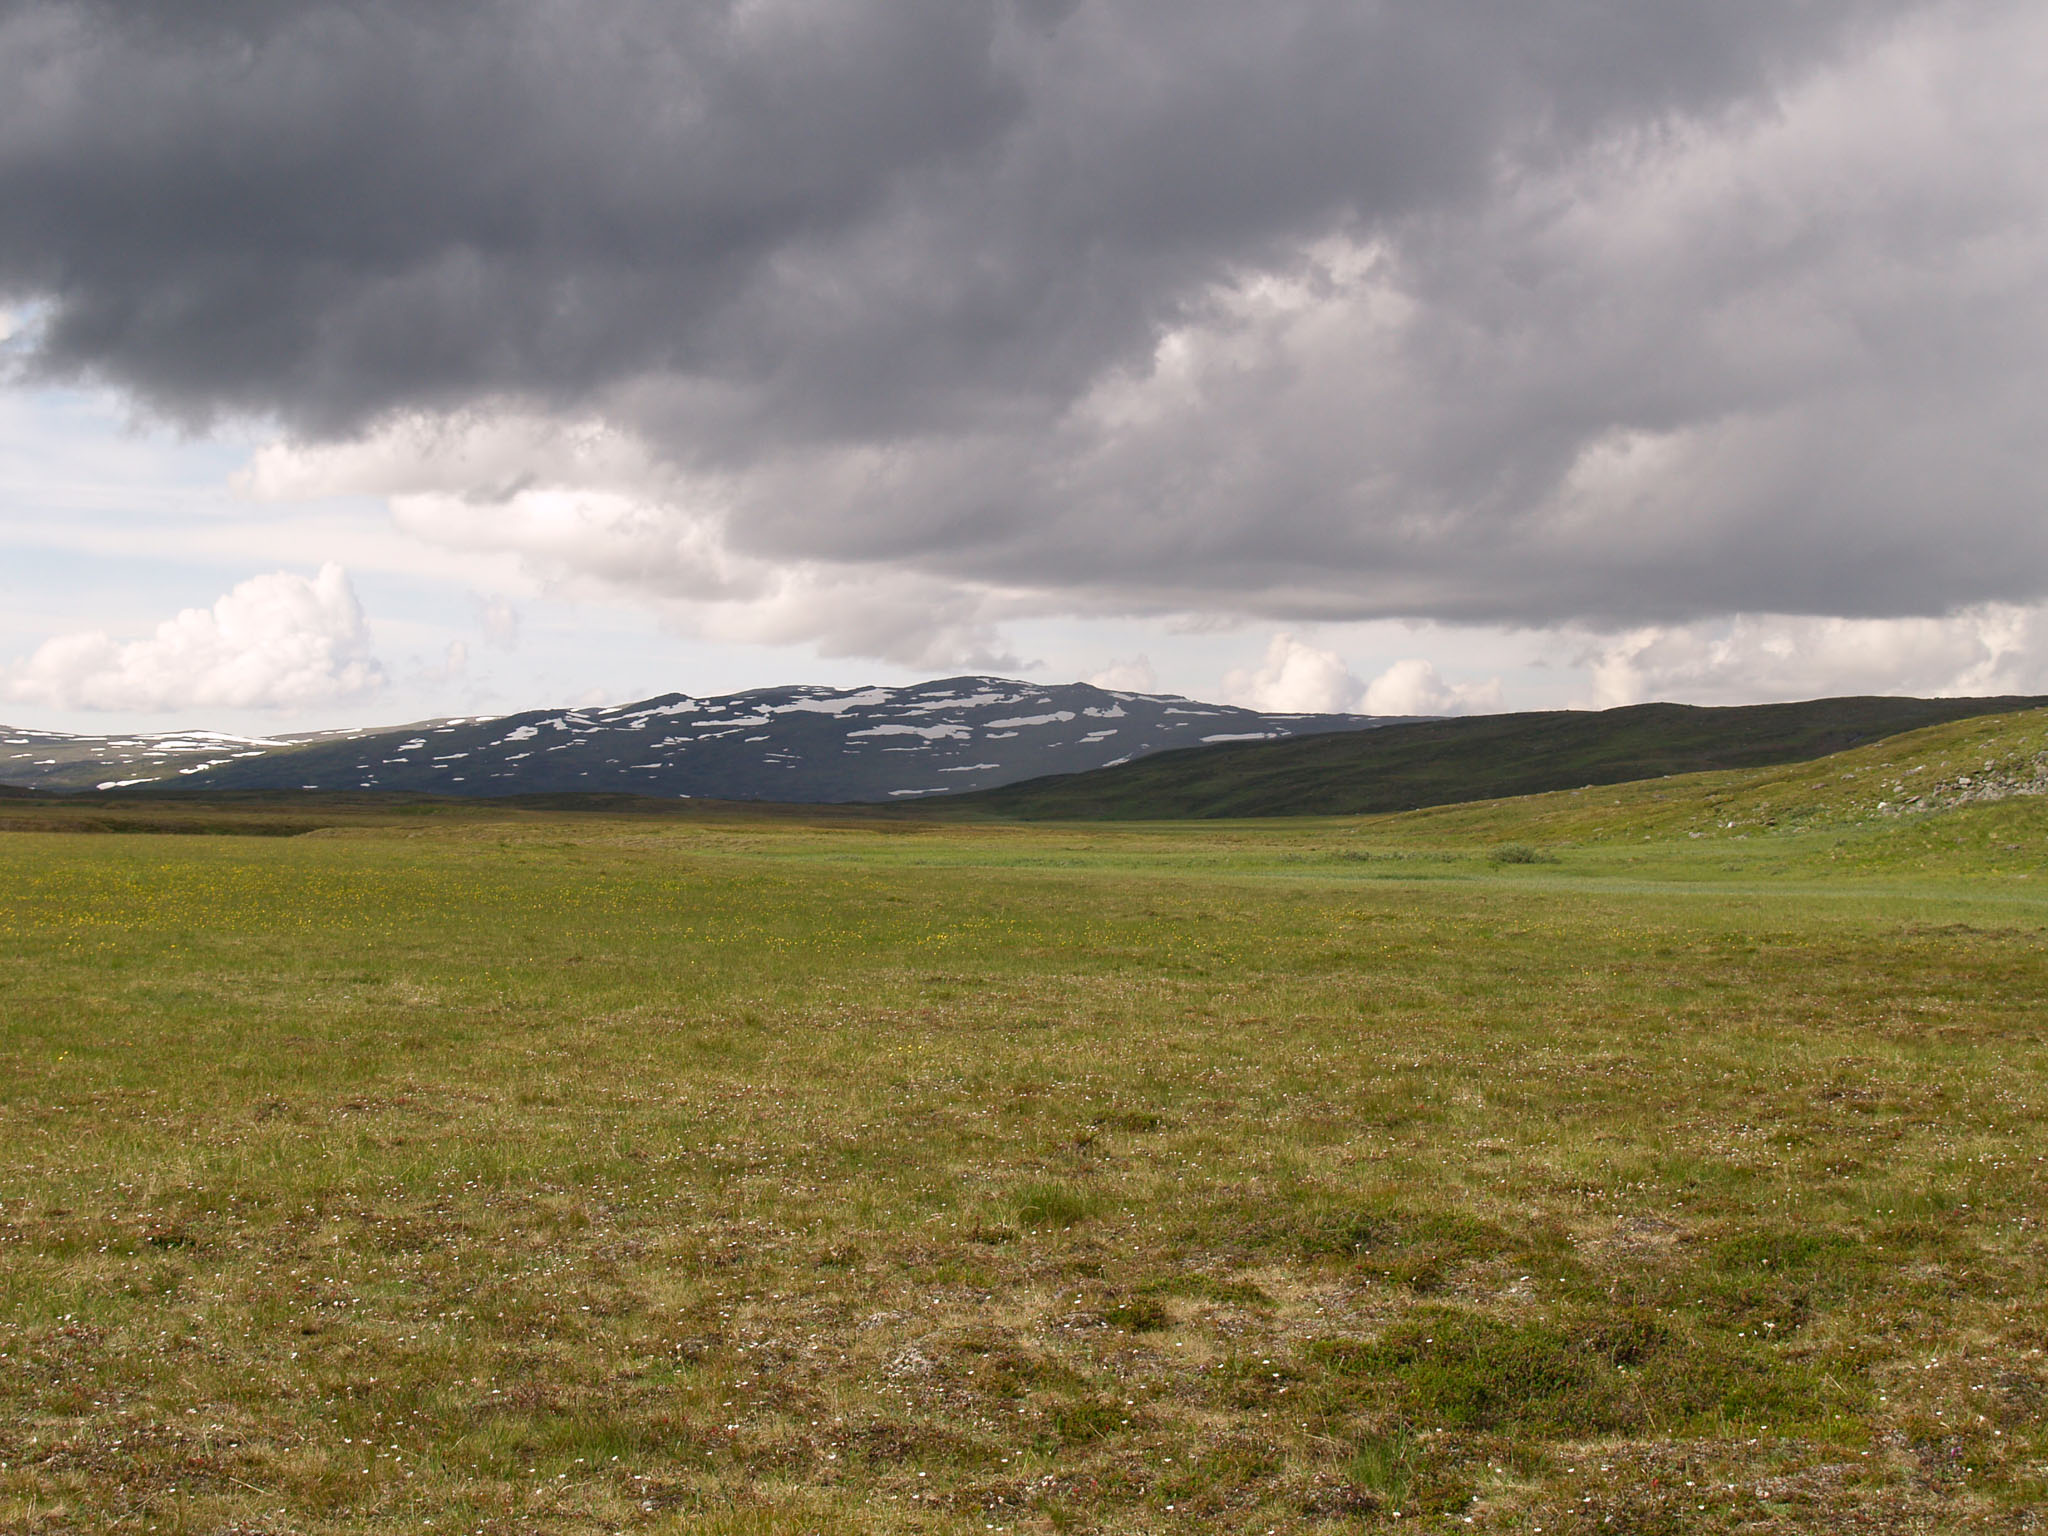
(1887, 805)
(1534, 1163)
(1445, 762)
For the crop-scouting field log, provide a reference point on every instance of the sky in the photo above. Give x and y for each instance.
(372, 361)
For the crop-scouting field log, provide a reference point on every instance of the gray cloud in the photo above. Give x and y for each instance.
(1508, 310)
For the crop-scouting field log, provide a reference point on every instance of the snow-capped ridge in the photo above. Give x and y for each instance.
(805, 743)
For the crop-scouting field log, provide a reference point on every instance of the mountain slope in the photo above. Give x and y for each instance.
(1442, 762)
(57, 760)
(797, 744)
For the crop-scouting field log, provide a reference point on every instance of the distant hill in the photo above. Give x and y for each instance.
(1445, 762)
(1893, 799)
(795, 745)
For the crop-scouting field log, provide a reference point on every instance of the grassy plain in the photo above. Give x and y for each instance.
(1664, 1158)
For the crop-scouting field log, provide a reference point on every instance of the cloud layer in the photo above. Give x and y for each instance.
(873, 322)
(275, 642)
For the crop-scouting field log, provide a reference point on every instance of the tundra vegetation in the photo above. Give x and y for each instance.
(1665, 1157)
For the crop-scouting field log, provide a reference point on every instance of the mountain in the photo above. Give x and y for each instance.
(55, 760)
(1406, 766)
(797, 744)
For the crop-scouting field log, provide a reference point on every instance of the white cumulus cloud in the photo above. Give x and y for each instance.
(1296, 678)
(278, 641)
(1299, 678)
(1413, 687)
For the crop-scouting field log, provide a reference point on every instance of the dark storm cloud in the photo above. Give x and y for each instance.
(331, 211)
(884, 268)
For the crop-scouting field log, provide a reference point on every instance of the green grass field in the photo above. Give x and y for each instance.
(1662, 1158)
